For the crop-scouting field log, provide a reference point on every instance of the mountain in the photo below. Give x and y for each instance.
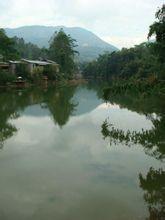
(89, 45)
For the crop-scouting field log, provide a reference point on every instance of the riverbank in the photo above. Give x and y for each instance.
(134, 86)
(27, 84)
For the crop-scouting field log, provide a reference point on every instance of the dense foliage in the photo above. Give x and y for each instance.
(158, 29)
(142, 61)
(7, 47)
(29, 50)
(126, 63)
(15, 48)
(62, 51)
(6, 77)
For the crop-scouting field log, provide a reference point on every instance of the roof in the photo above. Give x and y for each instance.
(14, 62)
(52, 62)
(38, 62)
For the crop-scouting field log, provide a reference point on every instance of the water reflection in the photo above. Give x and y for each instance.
(154, 186)
(56, 163)
(58, 101)
(60, 104)
(152, 140)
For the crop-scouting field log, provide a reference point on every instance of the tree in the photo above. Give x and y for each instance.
(158, 29)
(7, 47)
(29, 50)
(62, 51)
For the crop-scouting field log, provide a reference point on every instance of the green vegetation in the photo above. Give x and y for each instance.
(137, 61)
(6, 77)
(139, 67)
(7, 47)
(158, 29)
(29, 50)
(62, 51)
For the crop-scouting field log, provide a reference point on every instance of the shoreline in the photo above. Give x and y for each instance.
(44, 83)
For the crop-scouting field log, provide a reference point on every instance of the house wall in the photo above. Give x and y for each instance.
(38, 69)
(12, 68)
(30, 68)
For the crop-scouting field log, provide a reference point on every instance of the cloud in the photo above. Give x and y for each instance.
(123, 41)
(116, 20)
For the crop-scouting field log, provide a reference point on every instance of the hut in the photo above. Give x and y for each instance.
(38, 65)
(30, 66)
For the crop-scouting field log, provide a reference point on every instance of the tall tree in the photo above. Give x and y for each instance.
(158, 29)
(7, 46)
(29, 50)
(62, 51)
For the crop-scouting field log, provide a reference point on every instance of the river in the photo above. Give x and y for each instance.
(67, 154)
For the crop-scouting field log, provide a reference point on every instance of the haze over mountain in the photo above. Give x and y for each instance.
(89, 45)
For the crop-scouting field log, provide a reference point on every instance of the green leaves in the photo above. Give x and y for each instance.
(158, 29)
(7, 47)
(62, 51)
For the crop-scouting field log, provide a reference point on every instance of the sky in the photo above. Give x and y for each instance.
(122, 23)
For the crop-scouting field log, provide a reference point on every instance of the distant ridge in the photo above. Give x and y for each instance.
(89, 45)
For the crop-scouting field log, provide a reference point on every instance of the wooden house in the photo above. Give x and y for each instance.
(34, 66)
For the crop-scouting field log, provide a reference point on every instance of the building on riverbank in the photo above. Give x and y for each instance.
(32, 66)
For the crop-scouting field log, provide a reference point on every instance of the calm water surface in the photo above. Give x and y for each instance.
(66, 154)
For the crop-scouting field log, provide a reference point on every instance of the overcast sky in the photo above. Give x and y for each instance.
(119, 22)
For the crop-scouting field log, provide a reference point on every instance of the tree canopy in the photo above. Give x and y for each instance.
(29, 50)
(7, 47)
(62, 51)
(158, 29)
(140, 61)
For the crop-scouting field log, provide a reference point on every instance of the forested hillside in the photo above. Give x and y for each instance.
(89, 45)
(141, 61)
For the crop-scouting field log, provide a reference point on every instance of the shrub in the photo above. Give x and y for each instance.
(6, 77)
(51, 72)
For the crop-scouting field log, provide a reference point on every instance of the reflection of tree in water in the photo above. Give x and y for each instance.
(154, 186)
(6, 131)
(7, 111)
(11, 104)
(60, 104)
(153, 142)
(57, 100)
